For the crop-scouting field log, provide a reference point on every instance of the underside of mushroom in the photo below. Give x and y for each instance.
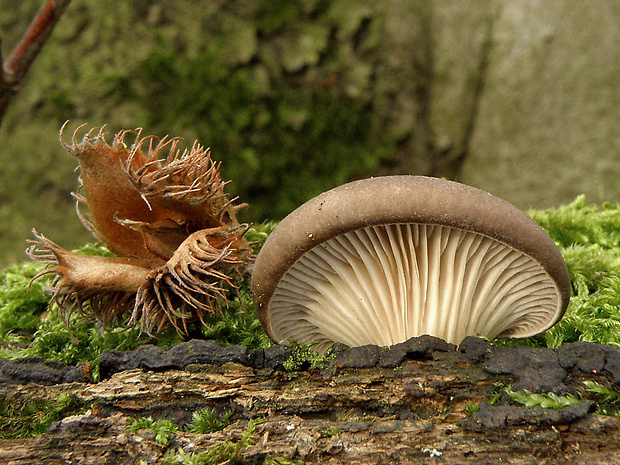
(358, 289)
(381, 260)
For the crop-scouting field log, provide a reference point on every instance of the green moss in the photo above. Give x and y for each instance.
(22, 304)
(277, 460)
(163, 429)
(208, 420)
(588, 237)
(549, 400)
(78, 341)
(29, 417)
(472, 407)
(227, 452)
(30, 325)
(304, 357)
(496, 393)
(231, 450)
(582, 224)
(607, 397)
(238, 323)
(258, 234)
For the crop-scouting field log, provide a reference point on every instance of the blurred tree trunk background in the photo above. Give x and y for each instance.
(16, 65)
(519, 98)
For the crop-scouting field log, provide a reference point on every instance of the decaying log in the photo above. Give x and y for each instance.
(417, 412)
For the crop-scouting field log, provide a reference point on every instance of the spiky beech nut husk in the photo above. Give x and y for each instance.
(172, 227)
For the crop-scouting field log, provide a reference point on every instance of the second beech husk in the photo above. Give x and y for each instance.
(173, 229)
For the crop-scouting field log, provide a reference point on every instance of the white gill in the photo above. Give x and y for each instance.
(385, 284)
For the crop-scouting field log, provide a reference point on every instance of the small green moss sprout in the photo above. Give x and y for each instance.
(330, 432)
(208, 420)
(606, 396)
(228, 452)
(163, 429)
(549, 400)
(496, 393)
(280, 461)
(472, 407)
(304, 357)
(609, 394)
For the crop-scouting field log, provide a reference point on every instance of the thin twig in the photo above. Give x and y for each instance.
(17, 63)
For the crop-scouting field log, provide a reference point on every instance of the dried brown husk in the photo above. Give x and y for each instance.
(179, 247)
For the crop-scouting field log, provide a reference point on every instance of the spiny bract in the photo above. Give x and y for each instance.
(172, 227)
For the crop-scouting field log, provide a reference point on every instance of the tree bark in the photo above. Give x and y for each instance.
(439, 115)
(416, 413)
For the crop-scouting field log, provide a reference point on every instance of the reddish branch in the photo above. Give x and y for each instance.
(16, 65)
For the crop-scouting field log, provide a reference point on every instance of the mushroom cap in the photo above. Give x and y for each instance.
(381, 260)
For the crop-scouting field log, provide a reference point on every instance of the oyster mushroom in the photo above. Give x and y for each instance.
(173, 229)
(381, 260)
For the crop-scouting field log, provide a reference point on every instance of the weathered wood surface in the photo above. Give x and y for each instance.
(415, 413)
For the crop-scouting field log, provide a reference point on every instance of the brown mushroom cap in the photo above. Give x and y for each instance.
(381, 260)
